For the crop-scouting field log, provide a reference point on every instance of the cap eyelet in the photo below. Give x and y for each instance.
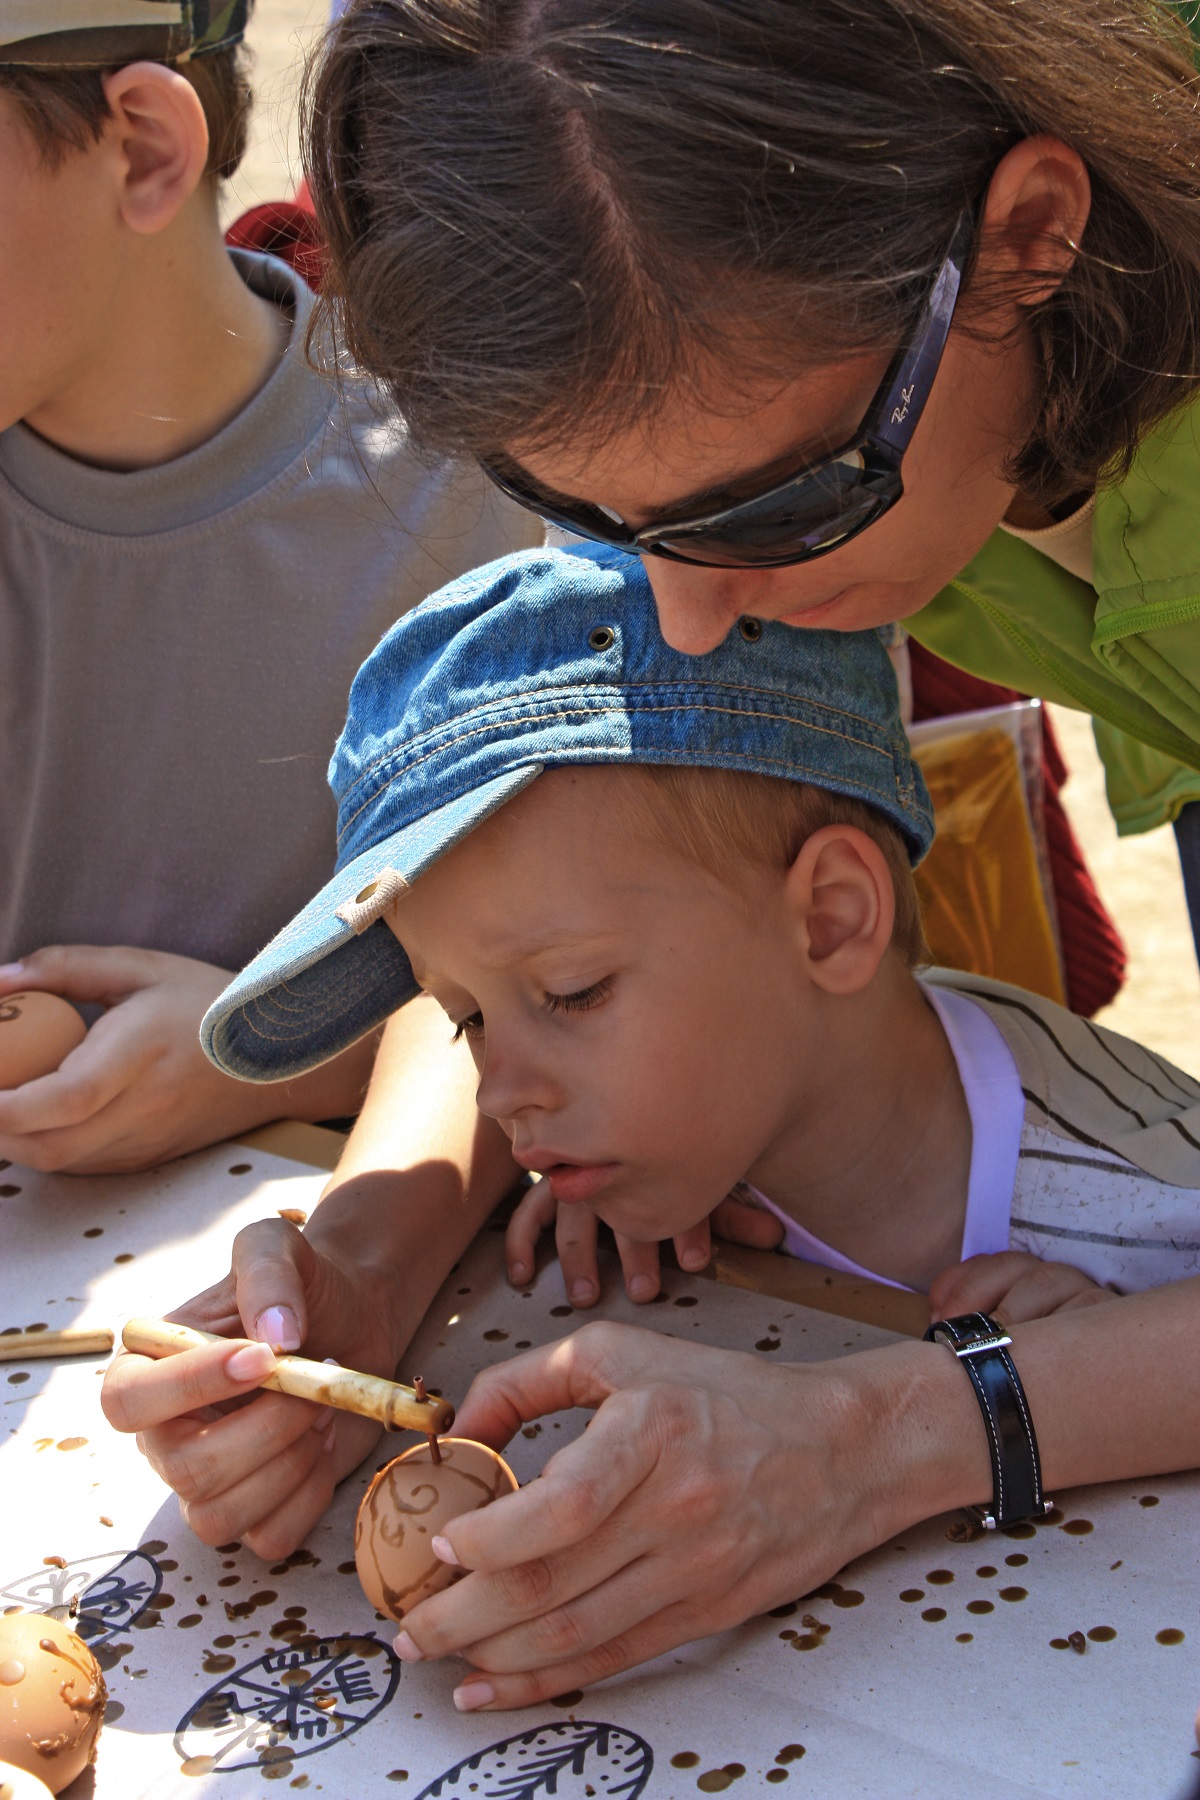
(750, 628)
(603, 637)
(365, 893)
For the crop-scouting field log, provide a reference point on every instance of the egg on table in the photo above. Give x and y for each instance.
(407, 1505)
(18, 1784)
(52, 1698)
(36, 1032)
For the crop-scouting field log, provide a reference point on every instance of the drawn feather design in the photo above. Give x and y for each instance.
(562, 1760)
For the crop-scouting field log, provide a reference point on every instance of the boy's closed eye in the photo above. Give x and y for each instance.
(582, 1000)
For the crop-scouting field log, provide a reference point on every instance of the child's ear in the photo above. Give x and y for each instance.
(1037, 205)
(160, 134)
(842, 899)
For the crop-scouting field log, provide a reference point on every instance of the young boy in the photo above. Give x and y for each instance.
(200, 539)
(666, 900)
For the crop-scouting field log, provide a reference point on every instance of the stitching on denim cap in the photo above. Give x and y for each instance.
(798, 771)
(572, 689)
(599, 712)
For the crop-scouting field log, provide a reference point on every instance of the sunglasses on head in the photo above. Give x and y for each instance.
(827, 502)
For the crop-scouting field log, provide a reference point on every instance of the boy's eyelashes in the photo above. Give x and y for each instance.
(582, 1000)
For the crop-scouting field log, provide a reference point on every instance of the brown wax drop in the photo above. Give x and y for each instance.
(1024, 1530)
(776, 1775)
(569, 1699)
(987, 1571)
(94, 1231)
(1054, 1516)
(216, 1665)
(75, 1443)
(809, 1640)
(1077, 1642)
(1059, 1644)
(768, 1343)
(1102, 1634)
(684, 1759)
(20, 1376)
(1169, 1635)
(240, 1168)
(1148, 1500)
(965, 1637)
(495, 1336)
(561, 1312)
(848, 1597)
(397, 1775)
(1017, 1560)
(912, 1594)
(1014, 1593)
(934, 1614)
(714, 1781)
(687, 1300)
(791, 1753)
(187, 1623)
(785, 1611)
(980, 1606)
(126, 1256)
(939, 1577)
(1078, 1527)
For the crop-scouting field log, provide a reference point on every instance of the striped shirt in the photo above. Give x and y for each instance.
(1085, 1145)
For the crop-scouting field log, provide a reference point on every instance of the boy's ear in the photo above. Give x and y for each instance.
(1037, 205)
(842, 899)
(160, 133)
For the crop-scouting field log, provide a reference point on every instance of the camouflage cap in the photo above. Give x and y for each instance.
(103, 34)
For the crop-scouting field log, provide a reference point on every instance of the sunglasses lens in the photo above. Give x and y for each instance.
(792, 525)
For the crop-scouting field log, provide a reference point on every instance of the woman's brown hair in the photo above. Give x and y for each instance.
(540, 213)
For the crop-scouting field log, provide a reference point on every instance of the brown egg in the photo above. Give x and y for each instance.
(36, 1032)
(51, 1699)
(405, 1508)
(18, 1784)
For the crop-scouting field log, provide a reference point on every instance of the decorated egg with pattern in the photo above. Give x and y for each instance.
(36, 1032)
(407, 1505)
(52, 1698)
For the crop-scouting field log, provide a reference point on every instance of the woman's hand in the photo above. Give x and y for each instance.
(1014, 1286)
(575, 1232)
(709, 1486)
(139, 1089)
(262, 1468)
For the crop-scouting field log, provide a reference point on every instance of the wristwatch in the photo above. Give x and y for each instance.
(982, 1346)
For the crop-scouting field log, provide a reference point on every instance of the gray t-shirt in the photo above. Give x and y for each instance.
(177, 645)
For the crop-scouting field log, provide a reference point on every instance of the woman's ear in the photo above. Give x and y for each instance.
(1037, 205)
(160, 135)
(844, 905)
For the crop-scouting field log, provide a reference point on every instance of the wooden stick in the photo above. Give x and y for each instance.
(23, 1346)
(370, 1396)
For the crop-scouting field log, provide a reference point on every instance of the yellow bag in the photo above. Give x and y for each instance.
(986, 899)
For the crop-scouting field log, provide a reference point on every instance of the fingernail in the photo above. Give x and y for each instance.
(406, 1650)
(323, 1418)
(443, 1549)
(694, 1259)
(642, 1288)
(250, 1363)
(279, 1327)
(583, 1293)
(11, 971)
(518, 1271)
(330, 1443)
(474, 1694)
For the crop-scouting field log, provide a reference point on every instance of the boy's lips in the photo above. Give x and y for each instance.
(569, 1181)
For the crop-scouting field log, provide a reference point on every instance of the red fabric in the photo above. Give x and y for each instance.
(1093, 953)
(286, 229)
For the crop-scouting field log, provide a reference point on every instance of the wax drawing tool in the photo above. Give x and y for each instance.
(398, 1407)
(21, 1346)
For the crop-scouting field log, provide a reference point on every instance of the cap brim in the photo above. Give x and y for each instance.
(320, 985)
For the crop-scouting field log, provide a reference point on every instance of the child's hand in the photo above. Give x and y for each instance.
(139, 1089)
(258, 1467)
(575, 1229)
(1012, 1285)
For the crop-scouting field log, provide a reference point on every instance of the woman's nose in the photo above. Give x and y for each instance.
(697, 606)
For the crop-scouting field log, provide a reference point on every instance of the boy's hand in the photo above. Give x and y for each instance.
(139, 1089)
(1013, 1286)
(259, 1468)
(575, 1231)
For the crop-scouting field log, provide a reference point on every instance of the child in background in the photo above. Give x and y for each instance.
(667, 902)
(200, 539)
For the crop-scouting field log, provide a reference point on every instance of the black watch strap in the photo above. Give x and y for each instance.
(982, 1347)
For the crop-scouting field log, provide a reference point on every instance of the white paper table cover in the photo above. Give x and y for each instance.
(897, 1695)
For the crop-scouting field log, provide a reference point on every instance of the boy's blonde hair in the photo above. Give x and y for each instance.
(725, 820)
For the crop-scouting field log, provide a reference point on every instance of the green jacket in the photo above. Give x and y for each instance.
(1126, 650)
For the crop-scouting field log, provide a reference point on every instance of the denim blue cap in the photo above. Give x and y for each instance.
(540, 659)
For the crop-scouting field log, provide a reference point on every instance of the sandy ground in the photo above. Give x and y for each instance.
(1139, 877)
